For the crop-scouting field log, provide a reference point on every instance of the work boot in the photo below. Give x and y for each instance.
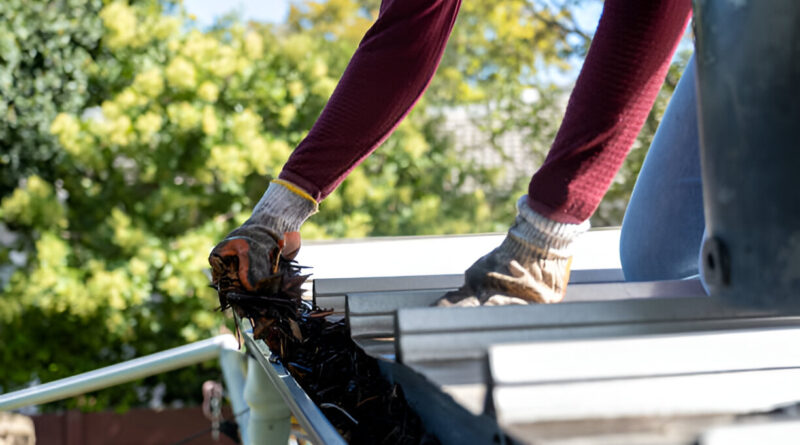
(532, 264)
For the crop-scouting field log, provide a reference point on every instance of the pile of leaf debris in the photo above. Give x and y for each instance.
(339, 377)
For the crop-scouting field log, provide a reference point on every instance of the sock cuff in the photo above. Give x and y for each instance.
(543, 233)
(294, 188)
(284, 207)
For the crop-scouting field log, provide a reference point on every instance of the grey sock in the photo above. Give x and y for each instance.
(544, 234)
(282, 209)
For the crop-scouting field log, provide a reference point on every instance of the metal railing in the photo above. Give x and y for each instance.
(222, 347)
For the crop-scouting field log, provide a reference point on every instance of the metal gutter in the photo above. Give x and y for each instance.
(642, 357)
(442, 414)
(434, 334)
(308, 415)
(631, 370)
(608, 291)
(371, 314)
(465, 381)
(371, 317)
(331, 293)
(655, 389)
(341, 286)
(683, 395)
(688, 376)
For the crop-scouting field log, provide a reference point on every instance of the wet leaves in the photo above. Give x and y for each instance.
(341, 379)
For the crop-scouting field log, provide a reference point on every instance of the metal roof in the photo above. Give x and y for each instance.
(617, 362)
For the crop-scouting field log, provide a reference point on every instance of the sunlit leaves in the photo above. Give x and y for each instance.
(121, 23)
(34, 205)
(44, 50)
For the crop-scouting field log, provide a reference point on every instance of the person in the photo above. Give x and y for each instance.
(393, 65)
(664, 226)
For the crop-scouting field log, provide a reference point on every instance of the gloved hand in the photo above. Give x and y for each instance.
(247, 257)
(532, 264)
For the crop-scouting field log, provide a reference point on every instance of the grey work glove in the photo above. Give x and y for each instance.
(247, 258)
(532, 264)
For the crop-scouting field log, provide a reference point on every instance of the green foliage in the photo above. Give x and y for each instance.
(44, 49)
(133, 142)
(140, 187)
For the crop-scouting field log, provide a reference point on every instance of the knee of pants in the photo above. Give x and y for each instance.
(634, 255)
(657, 259)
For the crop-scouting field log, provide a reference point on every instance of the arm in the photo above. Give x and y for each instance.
(619, 82)
(388, 73)
(615, 91)
(386, 76)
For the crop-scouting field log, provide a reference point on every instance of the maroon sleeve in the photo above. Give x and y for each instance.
(388, 73)
(619, 81)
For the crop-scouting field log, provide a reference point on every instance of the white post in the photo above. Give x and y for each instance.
(232, 363)
(269, 416)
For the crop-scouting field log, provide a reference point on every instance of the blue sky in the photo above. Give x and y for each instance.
(276, 11)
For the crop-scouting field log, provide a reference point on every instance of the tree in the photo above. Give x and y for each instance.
(110, 242)
(43, 47)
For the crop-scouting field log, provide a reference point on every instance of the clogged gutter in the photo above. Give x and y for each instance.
(339, 377)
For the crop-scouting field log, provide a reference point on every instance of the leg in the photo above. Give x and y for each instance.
(663, 225)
